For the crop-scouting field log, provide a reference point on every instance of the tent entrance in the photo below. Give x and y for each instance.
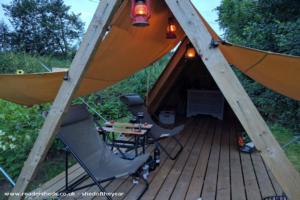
(186, 91)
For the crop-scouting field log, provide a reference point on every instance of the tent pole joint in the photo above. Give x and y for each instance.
(66, 76)
(214, 44)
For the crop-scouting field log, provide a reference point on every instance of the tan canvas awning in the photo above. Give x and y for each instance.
(278, 72)
(127, 49)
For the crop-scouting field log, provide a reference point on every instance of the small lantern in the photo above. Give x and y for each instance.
(140, 12)
(190, 52)
(171, 28)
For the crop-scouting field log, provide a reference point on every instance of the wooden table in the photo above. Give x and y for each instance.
(126, 131)
(128, 125)
(138, 131)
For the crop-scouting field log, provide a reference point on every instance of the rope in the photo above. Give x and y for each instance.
(81, 99)
(8, 178)
(295, 139)
(93, 109)
(45, 66)
(148, 86)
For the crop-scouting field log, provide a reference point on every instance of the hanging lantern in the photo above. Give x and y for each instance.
(171, 28)
(140, 12)
(190, 52)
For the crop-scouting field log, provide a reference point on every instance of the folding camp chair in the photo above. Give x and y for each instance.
(136, 106)
(79, 134)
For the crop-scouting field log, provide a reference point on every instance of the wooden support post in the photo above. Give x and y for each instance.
(237, 97)
(91, 40)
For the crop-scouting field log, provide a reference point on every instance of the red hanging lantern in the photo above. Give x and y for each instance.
(140, 12)
(171, 28)
(190, 52)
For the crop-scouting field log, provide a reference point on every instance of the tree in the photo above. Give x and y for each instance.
(43, 26)
(272, 25)
(4, 37)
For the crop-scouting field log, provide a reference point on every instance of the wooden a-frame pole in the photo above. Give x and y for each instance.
(233, 91)
(91, 40)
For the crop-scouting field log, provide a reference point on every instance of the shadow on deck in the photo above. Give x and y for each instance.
(210, 167)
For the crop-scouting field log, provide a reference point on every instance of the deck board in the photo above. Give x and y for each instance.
(166, 189)
(275, 184)
(164, 170)
(211, 178)
(210, 167)
(237, 181)
(196, 183)
(186, 175)
(263, 179)
(170, 146)
(223, 187)
(251, 184)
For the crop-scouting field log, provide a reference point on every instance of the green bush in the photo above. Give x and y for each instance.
(19, 127)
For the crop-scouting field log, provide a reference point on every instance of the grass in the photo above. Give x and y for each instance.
(283, 136)
(10, 62)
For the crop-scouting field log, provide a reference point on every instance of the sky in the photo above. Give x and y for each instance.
(88, 7)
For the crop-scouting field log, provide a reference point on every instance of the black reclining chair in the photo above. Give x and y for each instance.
(79, 134)
(136, 106)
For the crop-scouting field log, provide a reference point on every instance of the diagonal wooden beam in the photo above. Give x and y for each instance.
(91, 40)
(165, 80)
(237, 97)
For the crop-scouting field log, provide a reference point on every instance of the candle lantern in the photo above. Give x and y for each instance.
(171, 28)
(140, 12)
(190, 52)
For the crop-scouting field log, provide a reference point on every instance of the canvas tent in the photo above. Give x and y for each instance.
(112, 50)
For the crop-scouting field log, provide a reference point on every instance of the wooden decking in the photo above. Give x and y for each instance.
(209, 167)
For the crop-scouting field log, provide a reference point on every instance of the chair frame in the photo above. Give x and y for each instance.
(73, 187)
(155, 140)
(166, 152)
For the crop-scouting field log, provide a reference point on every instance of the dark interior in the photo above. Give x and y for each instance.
(192, 75)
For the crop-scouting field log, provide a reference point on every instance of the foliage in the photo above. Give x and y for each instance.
(18, 129)
(4, 36)
(272, 25)
(42, 26)
(19, 125)
(273, 106)
(284, 136)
